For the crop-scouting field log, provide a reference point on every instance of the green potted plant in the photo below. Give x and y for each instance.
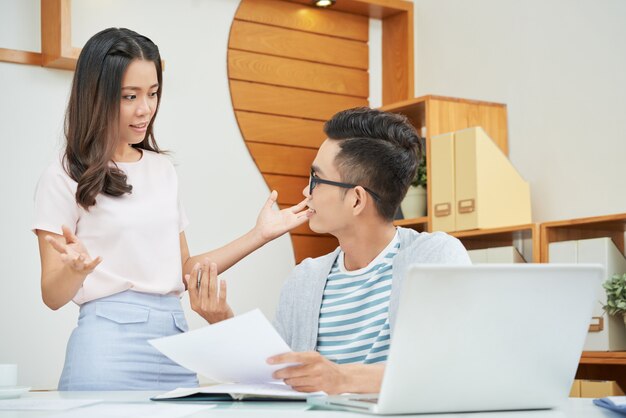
(615, 288)
(414, 203)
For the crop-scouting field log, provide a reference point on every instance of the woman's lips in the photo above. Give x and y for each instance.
(139, 127)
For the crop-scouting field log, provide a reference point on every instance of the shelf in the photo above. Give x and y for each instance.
(506, 232)
(433, 115)
(419, 224)
(604, 357)
(611, 226)
(524, 237)
(441, 114)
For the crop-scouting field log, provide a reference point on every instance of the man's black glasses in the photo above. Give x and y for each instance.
(314, 181)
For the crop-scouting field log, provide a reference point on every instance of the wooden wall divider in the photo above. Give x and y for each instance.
(291, 67)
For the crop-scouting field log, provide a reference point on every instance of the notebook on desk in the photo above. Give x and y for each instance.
(277, 391)
(483, 338)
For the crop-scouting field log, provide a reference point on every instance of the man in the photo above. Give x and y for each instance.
(337, 311)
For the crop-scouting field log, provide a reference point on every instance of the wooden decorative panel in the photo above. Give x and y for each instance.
(284, 101)
(290, 188)
(313, 20)
(277, 71)
(281, 159)
(311, 246)
(292, 66)
(272, 129)
(283, 42)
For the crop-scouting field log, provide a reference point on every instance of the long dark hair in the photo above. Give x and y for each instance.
(91, 120)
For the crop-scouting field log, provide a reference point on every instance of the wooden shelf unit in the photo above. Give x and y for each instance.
(525, 238)
(433, 115)
(611, 226)
(600, 365)
(419, 224)
(603, 357)
(594, 365)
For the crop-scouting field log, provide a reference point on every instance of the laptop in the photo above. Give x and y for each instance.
(483, 338)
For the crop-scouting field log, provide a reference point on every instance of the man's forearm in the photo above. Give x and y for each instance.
(363, 378)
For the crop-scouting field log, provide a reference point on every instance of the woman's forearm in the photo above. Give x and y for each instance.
(58, 287)
(231, 253)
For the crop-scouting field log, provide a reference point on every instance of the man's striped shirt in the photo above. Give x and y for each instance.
(354, 317)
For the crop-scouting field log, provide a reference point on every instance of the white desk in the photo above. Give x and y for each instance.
(574, 408)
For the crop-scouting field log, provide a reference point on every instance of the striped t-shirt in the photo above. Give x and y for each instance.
(354, 317)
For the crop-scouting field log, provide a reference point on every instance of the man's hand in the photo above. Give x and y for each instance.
(208, 295)
(314, 373)
(271, 224)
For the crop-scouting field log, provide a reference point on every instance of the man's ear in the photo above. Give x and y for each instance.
(360, 200)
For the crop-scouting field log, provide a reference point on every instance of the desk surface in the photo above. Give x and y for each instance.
(574, 408)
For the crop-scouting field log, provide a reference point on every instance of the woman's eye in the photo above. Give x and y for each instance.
(130, 97)
(154, 94)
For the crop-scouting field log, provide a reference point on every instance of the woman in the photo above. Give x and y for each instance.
(116, 196)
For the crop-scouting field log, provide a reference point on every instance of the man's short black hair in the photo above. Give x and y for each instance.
(378, 150)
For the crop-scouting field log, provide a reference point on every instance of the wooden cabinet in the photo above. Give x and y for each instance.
(435, 115)
(599, 365)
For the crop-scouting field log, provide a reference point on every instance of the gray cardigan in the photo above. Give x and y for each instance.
(300, 301)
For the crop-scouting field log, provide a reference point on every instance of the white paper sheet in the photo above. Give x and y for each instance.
(133, 410)
(231, 351)
(34, 404)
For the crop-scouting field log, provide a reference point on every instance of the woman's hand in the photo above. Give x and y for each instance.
(73, 253)
(208, 294)
(271, 224)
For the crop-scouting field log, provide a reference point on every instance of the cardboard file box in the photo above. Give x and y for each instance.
(496, 255)
(606, 333)
(442, 183)
(474, 185)
(599, 389)
(575, 390)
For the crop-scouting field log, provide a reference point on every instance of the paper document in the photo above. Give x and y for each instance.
(231, 351)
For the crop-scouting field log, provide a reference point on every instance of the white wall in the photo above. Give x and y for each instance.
(221, 187)
(560, 66)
